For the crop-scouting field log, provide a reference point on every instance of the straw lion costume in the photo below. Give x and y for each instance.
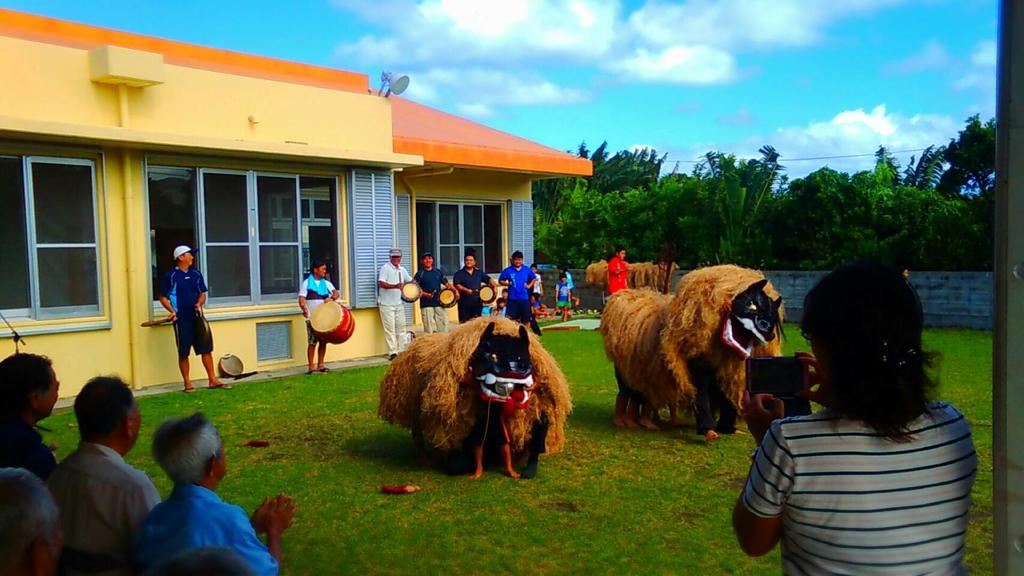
(690, 348)
(443, 383)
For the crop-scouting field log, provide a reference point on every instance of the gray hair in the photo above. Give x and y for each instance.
(211, 561)
(183, 447)
(27, 512)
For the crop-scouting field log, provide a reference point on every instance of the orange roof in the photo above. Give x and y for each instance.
(443, 138)
(439, 137)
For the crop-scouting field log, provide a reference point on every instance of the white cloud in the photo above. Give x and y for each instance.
(678, 65)
(477, 92)
(856, 134)
(445, 32)
(743, 25)
(932, 56)
(741, 117)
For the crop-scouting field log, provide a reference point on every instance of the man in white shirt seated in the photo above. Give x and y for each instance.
(29, 525)
(103, 501)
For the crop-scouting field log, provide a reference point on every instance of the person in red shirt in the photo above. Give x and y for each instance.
(618, 271)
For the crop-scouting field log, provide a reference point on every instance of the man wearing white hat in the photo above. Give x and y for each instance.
(183, 293)
(389, 299)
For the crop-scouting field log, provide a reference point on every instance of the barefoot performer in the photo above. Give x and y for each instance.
(316, 290)
(182, 294)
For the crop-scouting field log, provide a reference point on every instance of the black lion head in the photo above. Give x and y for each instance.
(755, 316)
(502, 364)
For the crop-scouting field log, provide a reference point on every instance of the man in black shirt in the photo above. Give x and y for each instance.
(468, 281)
(431, 281)
(28, 391)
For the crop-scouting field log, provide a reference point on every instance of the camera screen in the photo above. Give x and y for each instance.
(780, 376)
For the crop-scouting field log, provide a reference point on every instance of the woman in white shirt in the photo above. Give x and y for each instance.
(879, 481)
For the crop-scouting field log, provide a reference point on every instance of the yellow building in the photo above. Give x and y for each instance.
(116, 147)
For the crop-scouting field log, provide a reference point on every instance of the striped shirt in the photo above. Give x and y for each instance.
(854, 502)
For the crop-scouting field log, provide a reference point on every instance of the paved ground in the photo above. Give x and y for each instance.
(581, 324)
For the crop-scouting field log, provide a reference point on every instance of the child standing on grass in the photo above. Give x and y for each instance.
(563, 296)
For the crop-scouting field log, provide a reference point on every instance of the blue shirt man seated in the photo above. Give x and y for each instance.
(190, 451)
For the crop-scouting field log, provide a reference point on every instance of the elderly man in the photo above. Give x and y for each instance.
(28, 391)
(190, 451)
(29, 525)
(389, 298)
(103, 501)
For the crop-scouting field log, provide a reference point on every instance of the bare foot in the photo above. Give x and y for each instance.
(618, 421)
(649, 424)
(478, 473)
(676, 422)
(630, 423)
(710, 436)
(512, 473)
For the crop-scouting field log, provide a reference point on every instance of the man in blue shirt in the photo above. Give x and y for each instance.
(519, 280)
(190, 451)
(182, 294)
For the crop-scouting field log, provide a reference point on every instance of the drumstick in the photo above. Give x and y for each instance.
(151, 323)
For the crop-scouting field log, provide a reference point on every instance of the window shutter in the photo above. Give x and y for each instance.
(403, 232)
(522, 228)
(371, 205)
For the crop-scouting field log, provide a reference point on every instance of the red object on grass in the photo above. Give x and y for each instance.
(256, 444)
(403, 489)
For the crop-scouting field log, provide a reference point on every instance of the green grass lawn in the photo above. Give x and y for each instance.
(612, 502)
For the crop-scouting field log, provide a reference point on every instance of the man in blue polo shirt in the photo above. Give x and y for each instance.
(519, 280)
(183, 293)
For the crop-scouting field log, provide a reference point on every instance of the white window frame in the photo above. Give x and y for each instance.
(36, 310)
(248, 244)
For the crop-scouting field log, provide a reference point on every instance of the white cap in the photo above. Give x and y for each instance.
(183, 249)
(395, 252)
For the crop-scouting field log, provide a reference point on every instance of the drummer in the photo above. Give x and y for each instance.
(315, 290)
(431, 281)
(468, 281)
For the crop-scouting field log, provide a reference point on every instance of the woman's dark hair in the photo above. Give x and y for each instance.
(867, 320)
(20, 375)
(101, 406)
(316, 264)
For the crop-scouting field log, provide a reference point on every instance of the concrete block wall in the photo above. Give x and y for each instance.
(950, 299)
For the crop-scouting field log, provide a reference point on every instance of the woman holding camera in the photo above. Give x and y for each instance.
(879, 480)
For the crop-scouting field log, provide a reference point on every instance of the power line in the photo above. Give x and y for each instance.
(787, 160)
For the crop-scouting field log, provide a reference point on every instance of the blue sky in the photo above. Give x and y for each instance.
(811, 77)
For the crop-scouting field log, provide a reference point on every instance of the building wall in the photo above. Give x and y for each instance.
(189, 102)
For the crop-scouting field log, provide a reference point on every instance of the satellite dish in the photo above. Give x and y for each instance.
(398, 85)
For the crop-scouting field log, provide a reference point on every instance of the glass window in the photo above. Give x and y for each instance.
(426, 227)
(68, 277)
(14, 282)
(494, 259)
(48, 237)
(227, 271)
(227, 207)
(319, 225)
(63, 199)
(172, 217)
(449, 230)
(277, 205)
